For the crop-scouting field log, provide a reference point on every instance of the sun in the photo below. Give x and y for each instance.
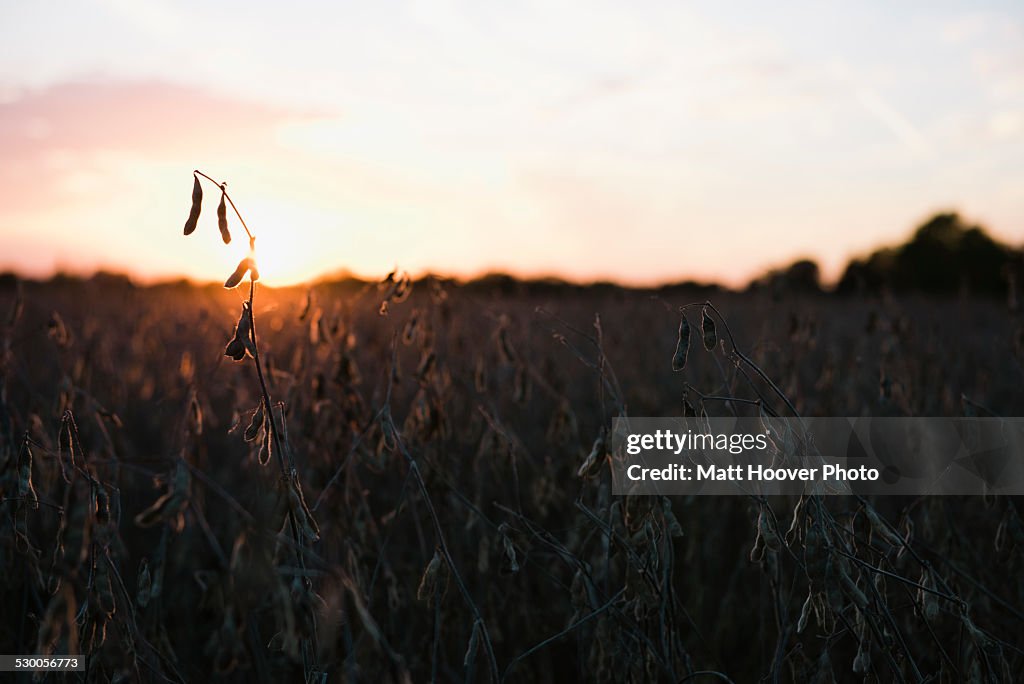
(286, 246)
(297, 239)
(280, 261)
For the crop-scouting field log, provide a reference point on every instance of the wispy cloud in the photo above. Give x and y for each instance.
(906, 132)
(66, 131)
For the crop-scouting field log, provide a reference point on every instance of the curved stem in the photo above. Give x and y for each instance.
(743, 357)
(223, 188)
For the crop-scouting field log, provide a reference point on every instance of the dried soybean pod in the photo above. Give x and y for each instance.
(682, 345)
(26, 490)
(242, 341)
(766, 528)
(707, 324)
(255, 425)
(244, 329)
(197, 203)
(238, 274)
(235, 349)
(591, 466)
(222, 218)
(300, 511)
(688, 409)
(428, 582)
(154, 513)
(101, 504)
(805, 614)
(103, 586)
(265, 451)
(145, 584)
(881, 529)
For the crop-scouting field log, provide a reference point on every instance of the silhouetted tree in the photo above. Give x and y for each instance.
(943, 256)
(802, 276)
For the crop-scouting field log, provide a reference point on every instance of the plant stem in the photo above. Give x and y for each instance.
(743, 357)
(223, 188)
(267, 406)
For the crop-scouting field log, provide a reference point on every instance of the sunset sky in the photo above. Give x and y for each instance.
(639, 141)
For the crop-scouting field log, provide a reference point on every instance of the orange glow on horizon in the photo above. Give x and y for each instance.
(643, 144)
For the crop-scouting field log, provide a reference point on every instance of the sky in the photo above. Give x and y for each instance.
(642, 142)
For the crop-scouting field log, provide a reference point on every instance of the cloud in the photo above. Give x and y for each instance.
(899, 125)
(61, 140)
(138, 116)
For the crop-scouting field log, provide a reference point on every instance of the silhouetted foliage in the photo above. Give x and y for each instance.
(109, 279)
(945, 255)
(802, 276)
(454, 454)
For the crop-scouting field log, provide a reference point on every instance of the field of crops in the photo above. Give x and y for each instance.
(430, 498)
